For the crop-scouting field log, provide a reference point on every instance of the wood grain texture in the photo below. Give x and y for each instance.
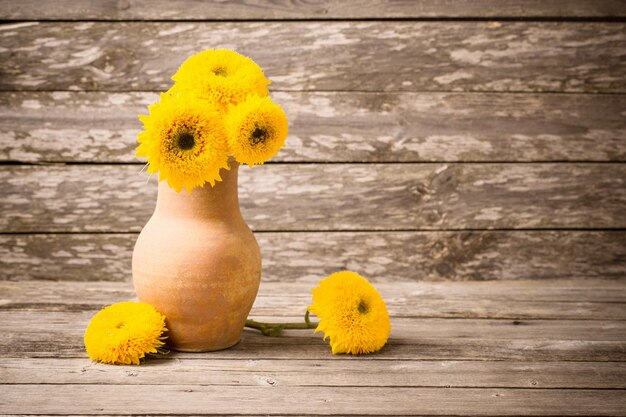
(289, 9)
(339, 127)
(346, 56)
(84, 198)
(194, 399)
(408, 141)
(325, 372)
(406, 300)
(64, 294)
(404, 329)
(45, 334)
(381, 256)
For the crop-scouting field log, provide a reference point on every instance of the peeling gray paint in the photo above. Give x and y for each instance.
(380, 56)
(340, 127)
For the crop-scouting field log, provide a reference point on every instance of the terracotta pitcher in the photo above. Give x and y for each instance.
(197, 262)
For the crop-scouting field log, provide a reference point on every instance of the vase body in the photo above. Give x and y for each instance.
(198, 263)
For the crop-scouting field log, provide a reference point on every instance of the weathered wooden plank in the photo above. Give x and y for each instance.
(405, 330)
(305, 373)
(363, 56)
(382, 256)
(60, 334)
(423, 349)
(514, 302)
(195, 399)
(339, 127)
(84, 198)
(265, 9)
(254, 347)
(99, 293)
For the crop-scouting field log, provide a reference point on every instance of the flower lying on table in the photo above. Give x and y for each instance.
(124, 333)
(351, 313)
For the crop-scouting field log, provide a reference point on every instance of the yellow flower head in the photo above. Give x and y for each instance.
(351, 313)
(221, 76)
(256, 129)
(123, 333)
(185, 142)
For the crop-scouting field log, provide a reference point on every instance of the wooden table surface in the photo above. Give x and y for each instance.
(467, 157)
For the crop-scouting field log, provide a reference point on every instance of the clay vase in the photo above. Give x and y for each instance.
(197, 262)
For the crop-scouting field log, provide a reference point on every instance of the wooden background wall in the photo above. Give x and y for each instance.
(429, 140)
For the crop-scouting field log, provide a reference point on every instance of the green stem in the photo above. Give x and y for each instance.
(276, 329)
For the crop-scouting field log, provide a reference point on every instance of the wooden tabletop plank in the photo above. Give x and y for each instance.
(328, 56)
(407, 300)
(382, 256)
(265, 9)
(84, 198)
(32, 333)
(194, 399)
(22, 294)
(339, 127)
(253, 347)
(405, 330)
(324, 372)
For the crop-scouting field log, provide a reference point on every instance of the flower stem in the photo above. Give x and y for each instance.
(276, 329)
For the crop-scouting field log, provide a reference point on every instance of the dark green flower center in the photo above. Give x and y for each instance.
(363, 307)
(258, 136)
(186, 141)
(220, 72)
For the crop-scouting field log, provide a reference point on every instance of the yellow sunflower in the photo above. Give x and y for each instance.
(352, 314)
(123, 333)
(185, 142)
(256, 130)
(221, 76)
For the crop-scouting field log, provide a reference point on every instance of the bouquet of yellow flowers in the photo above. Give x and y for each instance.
(218, 107)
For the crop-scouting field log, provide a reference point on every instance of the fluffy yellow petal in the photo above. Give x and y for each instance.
(123, 333)
(221, 76)
(184, 141)
(256, 130)
(351, 313)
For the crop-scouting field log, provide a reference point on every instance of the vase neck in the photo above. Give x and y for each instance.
(219, 202)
